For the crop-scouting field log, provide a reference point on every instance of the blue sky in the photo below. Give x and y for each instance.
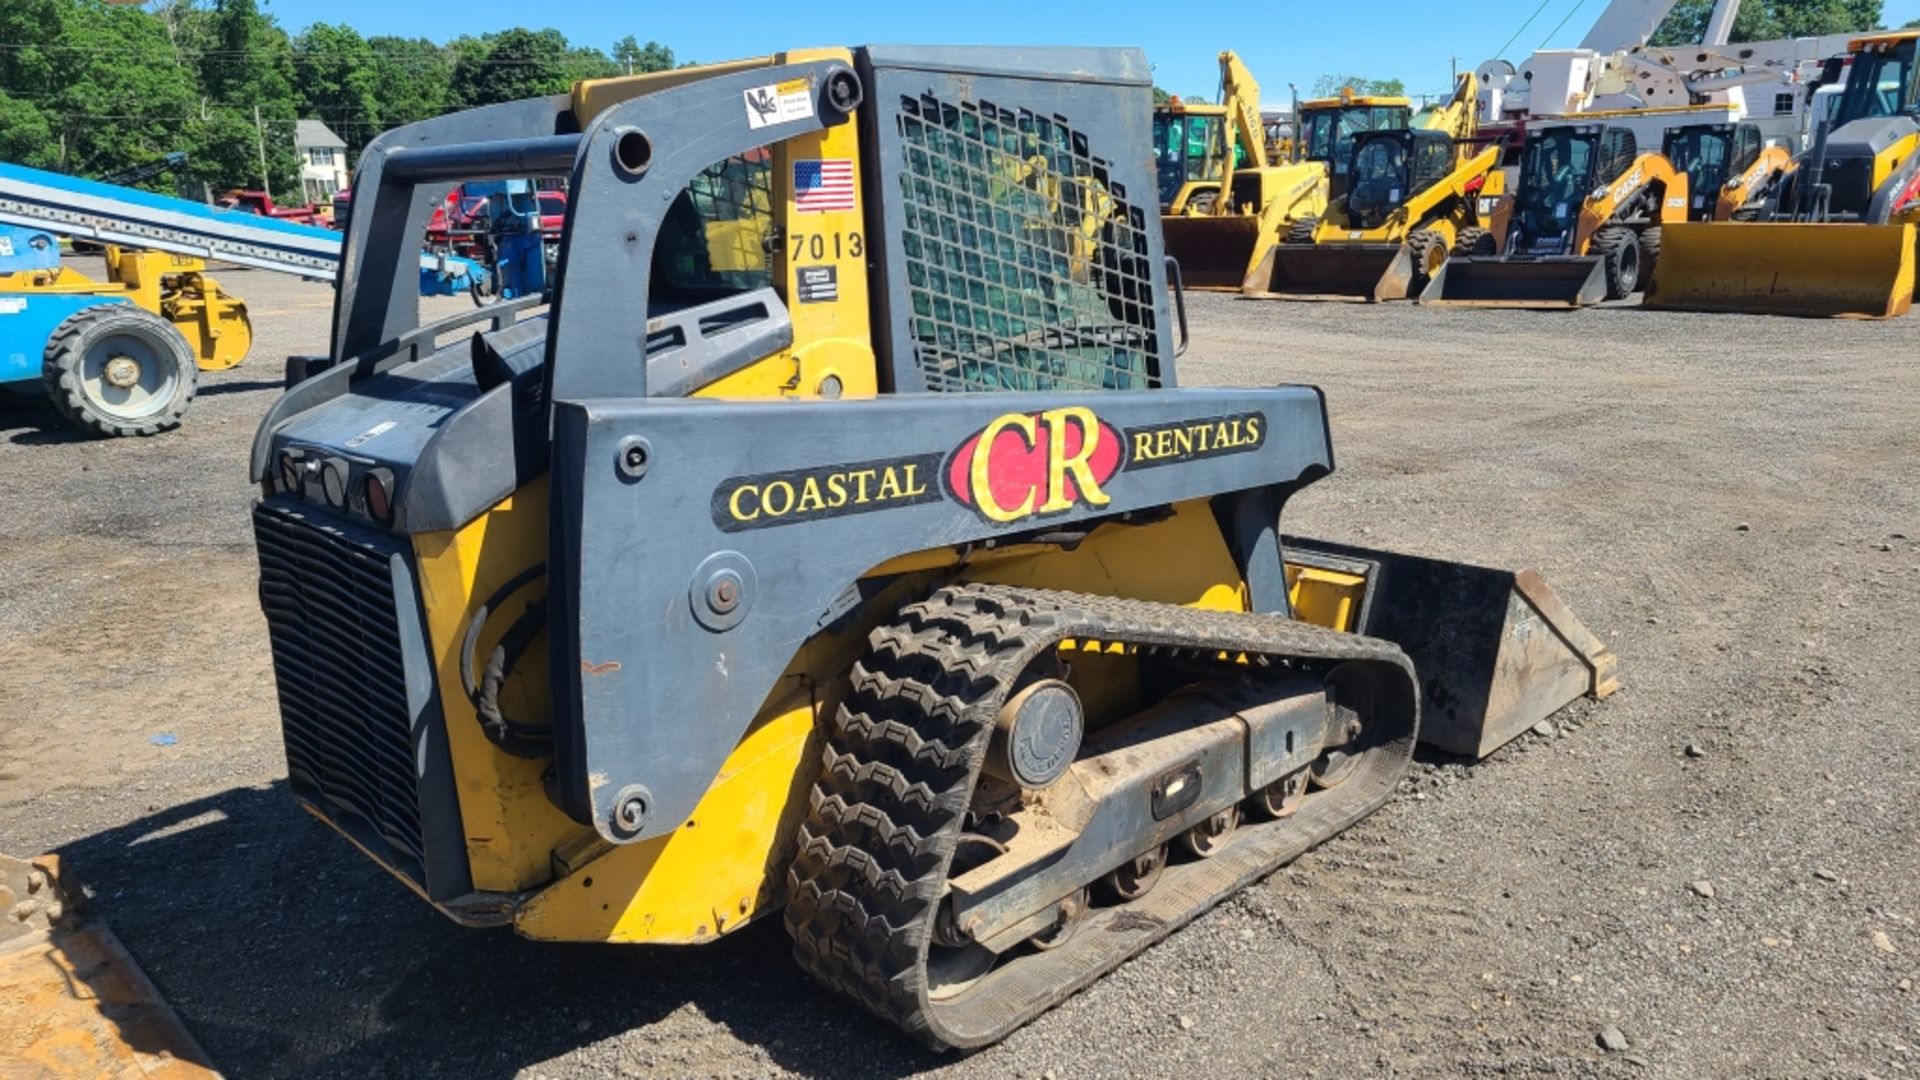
(1378, 38)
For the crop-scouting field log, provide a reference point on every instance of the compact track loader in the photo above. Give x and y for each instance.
(1404, 201)
(1836, 236)
(1584, 226)
(893, 581)
(1219, 237)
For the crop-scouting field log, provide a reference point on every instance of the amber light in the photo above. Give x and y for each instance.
(380, 496)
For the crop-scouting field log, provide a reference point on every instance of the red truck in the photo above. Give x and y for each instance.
(259, 202)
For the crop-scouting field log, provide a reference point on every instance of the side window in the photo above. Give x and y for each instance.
(714, 239)
(1435, 161)
(1783, 104)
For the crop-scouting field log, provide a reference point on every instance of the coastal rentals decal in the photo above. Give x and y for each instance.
(1019, 467)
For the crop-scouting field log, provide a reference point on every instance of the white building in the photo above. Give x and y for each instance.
(323, 160)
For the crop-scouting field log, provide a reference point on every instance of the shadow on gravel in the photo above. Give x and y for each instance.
(289, 954)
(251, 385)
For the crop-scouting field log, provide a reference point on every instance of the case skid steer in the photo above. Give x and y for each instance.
(1730, 169)
(1219, 238)
(1583, 227)
(1836, 237)
(892, 580)
(1406, 198)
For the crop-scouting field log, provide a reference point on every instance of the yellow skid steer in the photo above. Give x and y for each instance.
(1218, 237)
(894, 588)
(1584, 226)
(1406, 198)
(1837, 236)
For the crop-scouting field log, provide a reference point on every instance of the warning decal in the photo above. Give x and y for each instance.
(778, 103)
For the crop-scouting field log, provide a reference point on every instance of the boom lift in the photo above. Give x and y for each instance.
(122, 356)
(1217, 249)
(1585, 225)
(1407, 199)
(1837, 236)
(891, 578)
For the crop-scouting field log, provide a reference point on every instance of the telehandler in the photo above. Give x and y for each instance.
(1584, 225)
(1406, 199)
(1836, 235)
(1219, 231)
(895, 582)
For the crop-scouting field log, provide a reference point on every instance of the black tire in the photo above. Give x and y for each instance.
(1649, 255)
(1428, 249)
(117, 369)
(1301, 231)
(1474, 242)
(1619, 249)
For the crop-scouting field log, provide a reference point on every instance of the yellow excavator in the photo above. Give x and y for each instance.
(1584, 226)
(1405, 200)
(1219, 245)
(1836, 238)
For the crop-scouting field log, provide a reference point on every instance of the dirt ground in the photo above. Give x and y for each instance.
(1732, 503)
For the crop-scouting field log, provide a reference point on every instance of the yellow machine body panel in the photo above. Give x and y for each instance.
(1786, 268)
(175, 287)
(1741, 190)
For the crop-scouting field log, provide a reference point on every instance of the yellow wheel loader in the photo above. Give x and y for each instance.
(895, 584)
(1584, 226)
(1220, 230)
(1404, 199)
(1836, 237)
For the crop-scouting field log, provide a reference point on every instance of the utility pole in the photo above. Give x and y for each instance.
(1453, 65)
(260, 131)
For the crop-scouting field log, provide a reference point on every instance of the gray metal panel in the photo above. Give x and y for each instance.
(630, 656)
(379, 296)
(1095, 106)
(598, 348)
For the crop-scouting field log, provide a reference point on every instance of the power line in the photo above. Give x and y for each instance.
(1502, 50)
(1563, 21)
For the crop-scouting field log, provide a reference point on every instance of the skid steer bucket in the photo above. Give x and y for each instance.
(1552, 282)
(1496, 651)
(76, 1004)
(1783, 268)
(1213, 252)
(1363, 271)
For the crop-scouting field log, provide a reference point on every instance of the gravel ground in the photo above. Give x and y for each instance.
(1713, 873)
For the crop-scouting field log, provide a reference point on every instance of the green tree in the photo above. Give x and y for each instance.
(336, 81)
(1764, 20)
(1331, 85)
(89, 87)
(412, 77)
(247, 72)
(635, 58)
(519, 63)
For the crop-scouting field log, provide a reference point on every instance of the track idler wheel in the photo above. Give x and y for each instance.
(1347, 737)
(1071, 913)
(1282, 797)
(1136, 877)
(1204, 839)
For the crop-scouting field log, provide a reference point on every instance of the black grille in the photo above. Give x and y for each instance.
(1026, 265)
(352, 743)
(1850, 179)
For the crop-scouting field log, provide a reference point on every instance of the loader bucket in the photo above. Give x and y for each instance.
(1496, 651)
(76, 1004)
(1562, 282)
(1782, 268)
(1214, 252)
(1332, 270)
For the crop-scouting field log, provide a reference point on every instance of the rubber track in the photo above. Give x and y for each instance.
(899, 769)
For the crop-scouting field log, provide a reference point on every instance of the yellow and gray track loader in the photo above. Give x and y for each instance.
(1584, 226)
(1219, 238)
(894, 583)
(1406, 198)
(1836, 237)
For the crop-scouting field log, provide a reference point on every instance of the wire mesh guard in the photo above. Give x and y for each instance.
(1026, 268)
(715, 232)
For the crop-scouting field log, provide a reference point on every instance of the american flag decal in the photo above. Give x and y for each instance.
(823, 185)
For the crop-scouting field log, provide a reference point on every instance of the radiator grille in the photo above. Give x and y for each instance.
(1026, 266)
(337, 658)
